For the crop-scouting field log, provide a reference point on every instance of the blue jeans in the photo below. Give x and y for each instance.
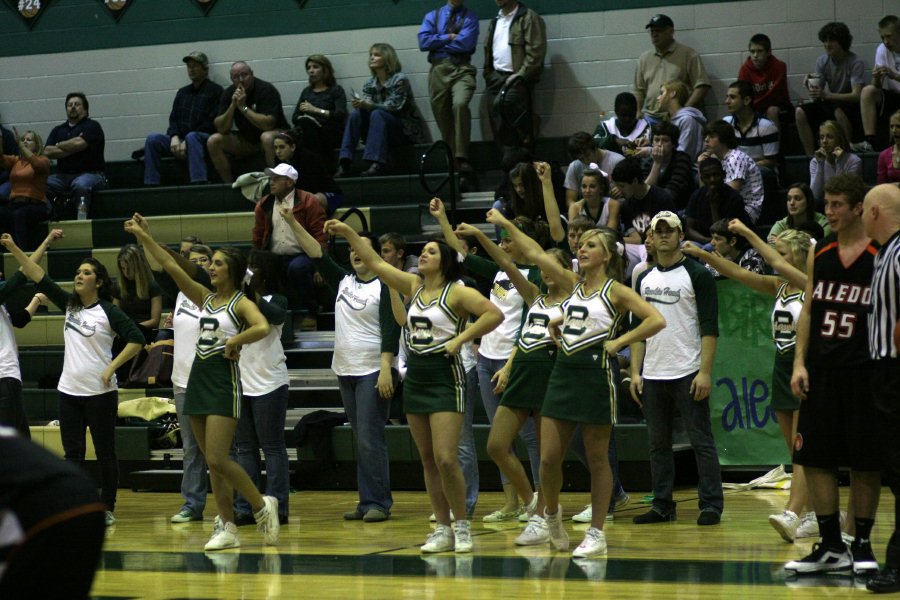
(486, 369)
(80, 185)
(99, 413)
(194, 484)
(19, 217)
(158, 145)
(298, 270)
(661, 398)
(368, 414)
(261, 426)
(378, 129)
(468, 456)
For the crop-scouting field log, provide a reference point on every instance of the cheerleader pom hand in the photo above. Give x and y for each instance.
(464, 229)
(500, 379)
(107, 375)
(495, 217)
(453, 346)
(232, 350)
(436, 209)
(7, 242)
(637, 389)
(336, 227)
(134, 228)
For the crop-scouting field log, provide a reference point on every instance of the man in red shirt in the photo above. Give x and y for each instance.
(769, 78)
(270, 232)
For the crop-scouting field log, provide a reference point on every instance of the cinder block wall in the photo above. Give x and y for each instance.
(591, 58)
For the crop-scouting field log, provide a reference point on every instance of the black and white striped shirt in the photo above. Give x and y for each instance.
(885, 300)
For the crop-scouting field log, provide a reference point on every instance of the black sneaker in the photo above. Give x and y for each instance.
(708, 517)
(887, 581)
(653, 516)
(863, 558)
(822, 560)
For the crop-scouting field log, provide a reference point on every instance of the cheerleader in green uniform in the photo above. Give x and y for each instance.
(228, 320)
(434, 389)
(581, 389)
(523, 379)
(788, 258)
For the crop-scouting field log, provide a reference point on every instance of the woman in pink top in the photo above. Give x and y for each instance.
(27, 204)
(889, 159)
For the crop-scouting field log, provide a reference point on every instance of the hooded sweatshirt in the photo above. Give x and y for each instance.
(690, 123)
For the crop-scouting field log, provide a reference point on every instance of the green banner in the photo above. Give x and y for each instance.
(743, 421)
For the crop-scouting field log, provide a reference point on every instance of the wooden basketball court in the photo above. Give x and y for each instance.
(322, 556)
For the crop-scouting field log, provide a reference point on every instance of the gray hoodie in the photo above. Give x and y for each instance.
(690, 123)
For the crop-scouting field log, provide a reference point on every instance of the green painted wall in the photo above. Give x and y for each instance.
(73, 25)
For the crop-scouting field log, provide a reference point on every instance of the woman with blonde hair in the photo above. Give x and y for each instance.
(833, 157)
(27, 204)
(582, 389)
(384, 115)
(140, 297)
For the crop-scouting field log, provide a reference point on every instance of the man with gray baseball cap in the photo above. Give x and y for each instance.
(190, 124)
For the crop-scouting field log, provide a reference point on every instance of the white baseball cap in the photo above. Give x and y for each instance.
(285, 170)
(668, 217)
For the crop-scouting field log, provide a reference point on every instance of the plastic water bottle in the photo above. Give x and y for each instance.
(82, 209)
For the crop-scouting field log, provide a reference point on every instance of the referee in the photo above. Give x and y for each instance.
(881, 220)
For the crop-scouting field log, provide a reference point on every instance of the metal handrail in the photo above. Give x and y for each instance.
(451, 177)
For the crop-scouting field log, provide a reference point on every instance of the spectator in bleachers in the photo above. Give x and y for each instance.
(393, 252)
(27, 204)
(801, 208)
(140, 297)
(449, 34)
(249, 116)
(757, 135)
(640, 200)
(668, 61)
(8, 145)
(715, 200)
(670, 168)
(384, 115)
(531, 195)
(889, 159)
(768, 76)
(77, 147)
(831, 158)
(312, 174)
(741, 171)
(835, 90)
(882, 96)
(321, 111)
(270, 232)
(625, 130)
(264, 393)
(514, 50)
(585, 150)
(595, 203)
(735, 248)
(190, 124)
(689, 120)
(186, 244)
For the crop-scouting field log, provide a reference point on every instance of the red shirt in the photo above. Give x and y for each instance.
(307, 211)
(769, 83)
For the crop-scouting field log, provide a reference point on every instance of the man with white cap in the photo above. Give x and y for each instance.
(667, 61)
(272, 233)
(673, 370)
(190, 124)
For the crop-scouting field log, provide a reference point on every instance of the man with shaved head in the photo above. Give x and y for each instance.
(881, 221)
